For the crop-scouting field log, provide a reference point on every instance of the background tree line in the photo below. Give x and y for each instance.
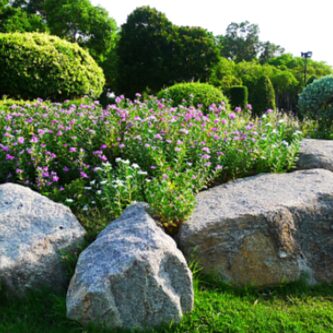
(149, 52)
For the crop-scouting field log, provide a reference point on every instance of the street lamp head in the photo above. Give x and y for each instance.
(306, 54)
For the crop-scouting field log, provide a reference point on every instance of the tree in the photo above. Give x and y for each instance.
(145, 51)
(224, 75)
(241, 41)
(81, 22)
(269, 51)
(14, 19)
(195, 54)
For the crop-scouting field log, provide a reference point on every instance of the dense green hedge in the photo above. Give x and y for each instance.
(38, 65)
(263, 95)
(238, 96)
(194, 93)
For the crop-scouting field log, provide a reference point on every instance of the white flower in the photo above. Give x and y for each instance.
(68, 200)
(142, 173)
(99, 192)
(135, 166)
(103, 182)
(285, 143)
(85, 208)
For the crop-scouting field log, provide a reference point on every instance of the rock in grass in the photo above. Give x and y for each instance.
(264, 230)
(316, 154)
(132, 276)
(34, 234)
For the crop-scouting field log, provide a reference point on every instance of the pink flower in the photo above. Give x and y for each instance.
(72, 149)
(9, 157)
(205, 156)
(20, 140)
(232, 116)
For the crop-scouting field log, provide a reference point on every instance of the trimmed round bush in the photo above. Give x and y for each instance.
(316, 100)
(238, 96)
(194, 93)
(39, 65)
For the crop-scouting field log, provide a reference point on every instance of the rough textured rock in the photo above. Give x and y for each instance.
(33, 232)
(132, 276)
(264, 230)
(316, 154)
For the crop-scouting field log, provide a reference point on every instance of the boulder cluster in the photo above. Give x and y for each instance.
(260, 231)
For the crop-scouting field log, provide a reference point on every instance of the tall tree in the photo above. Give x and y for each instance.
(195, 54)
(241, 41)
(79, 21)
(269, 51)
(145, 49)
(16, 19)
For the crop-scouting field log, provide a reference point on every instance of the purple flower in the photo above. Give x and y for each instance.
(205, 156)
(72, 149)
(232, 115)
(9, 157)
(83, 174)
(20, 140)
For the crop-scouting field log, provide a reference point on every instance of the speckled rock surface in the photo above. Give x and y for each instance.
(316, 154)
(132, 276)
(264, 230)
(33, 232)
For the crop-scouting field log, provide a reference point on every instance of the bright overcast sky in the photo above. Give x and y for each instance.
(296, 25)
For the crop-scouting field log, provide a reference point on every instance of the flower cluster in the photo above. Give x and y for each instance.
(174, 152)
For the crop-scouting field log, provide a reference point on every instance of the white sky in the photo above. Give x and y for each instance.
(296, 25)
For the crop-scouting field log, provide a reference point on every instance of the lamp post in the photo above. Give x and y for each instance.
(306, 56)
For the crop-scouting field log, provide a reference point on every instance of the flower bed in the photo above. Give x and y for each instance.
(94, 158)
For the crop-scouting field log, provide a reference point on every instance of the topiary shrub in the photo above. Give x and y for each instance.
(263, 95)
(238, 96)
(316, 100)
(194, 93)
(39, 65)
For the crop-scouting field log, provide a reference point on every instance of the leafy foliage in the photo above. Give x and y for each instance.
(316, 101)
(241, 41)
(80, 22)
(238, 96)
(263, 97)
(36, 65)
(194, 93)
(100, 160)
(14, 19)
(153, 53)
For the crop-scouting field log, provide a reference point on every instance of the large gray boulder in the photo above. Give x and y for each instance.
(34, 234)
(132, 276)
(264, 230)
(316, 154)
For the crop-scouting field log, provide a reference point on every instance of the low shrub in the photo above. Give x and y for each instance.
(96, 159)
(238, 96)
(194, 93)
(38, 65)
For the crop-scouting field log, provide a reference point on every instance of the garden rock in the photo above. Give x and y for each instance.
(34, 234)
(264, 230)
(316, 154)
(132, 276)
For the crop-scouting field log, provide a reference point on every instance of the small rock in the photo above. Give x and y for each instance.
(132, 276)
(316, 154)
(33, 232)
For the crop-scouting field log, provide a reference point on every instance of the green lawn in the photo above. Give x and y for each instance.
(218, 308)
